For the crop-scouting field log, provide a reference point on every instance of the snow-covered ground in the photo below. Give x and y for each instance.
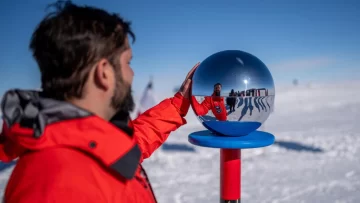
(315, 157)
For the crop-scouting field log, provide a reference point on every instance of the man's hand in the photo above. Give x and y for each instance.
(185, 87)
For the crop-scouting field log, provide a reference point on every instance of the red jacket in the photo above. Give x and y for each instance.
(213, 103)
(66, 154)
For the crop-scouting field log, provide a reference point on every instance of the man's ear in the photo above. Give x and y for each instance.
(103, 74)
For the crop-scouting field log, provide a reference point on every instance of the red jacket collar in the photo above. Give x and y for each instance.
(33, 123)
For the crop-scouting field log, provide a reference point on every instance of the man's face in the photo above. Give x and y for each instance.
(126, 70)
(122, 98)
(217, 90)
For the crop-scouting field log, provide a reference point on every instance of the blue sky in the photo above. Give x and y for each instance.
(308, 40)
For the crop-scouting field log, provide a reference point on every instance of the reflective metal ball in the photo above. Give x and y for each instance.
(232, 93)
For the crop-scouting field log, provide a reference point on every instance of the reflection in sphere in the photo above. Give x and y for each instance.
(232, 93)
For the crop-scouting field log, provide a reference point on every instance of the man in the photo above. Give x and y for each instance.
(215, 103)
(67, 149)
(231, 100)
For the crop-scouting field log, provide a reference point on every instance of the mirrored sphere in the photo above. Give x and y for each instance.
(233, 93)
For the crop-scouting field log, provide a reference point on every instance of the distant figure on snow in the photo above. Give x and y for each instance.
(231, 100)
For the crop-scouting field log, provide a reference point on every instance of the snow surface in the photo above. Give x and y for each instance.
(315, 157)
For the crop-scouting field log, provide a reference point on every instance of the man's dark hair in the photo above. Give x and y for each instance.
(217, 84)
(70, 40)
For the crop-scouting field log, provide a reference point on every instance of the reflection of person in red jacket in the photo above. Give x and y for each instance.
(67, 149)
(215, 103)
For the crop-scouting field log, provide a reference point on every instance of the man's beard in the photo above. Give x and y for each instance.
(217, 93)
(122, 99)
(127, 104)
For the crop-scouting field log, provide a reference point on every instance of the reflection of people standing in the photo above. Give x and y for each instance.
(215, 103)
(231, 100)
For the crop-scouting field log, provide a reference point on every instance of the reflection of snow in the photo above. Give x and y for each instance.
(246, 109)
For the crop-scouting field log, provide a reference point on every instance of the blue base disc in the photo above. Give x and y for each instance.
(256, 139)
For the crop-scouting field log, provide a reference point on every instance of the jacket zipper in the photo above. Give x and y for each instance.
(148, 182)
